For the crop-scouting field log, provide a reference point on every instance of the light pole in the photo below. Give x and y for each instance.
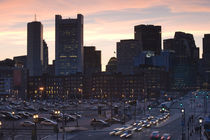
(13, 125)
(41, 90)
(34, 134)
(123, 96)
(1, 133)
(57, 113)
(200, 122)
(183, 123)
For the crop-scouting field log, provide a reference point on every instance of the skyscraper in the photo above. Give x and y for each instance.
(69, 45)
(206, 49)
(206, 61)
(185, 60)
(149, 36)
(34, 48)
(127, 50)
(92, 60)
(45, 57)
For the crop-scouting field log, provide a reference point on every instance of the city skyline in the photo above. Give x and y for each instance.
(101, 22)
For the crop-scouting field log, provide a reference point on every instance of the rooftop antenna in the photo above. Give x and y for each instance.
(35, 17)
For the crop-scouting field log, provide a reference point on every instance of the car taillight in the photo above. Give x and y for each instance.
(168, 138)
(162, 138)
(157, 136)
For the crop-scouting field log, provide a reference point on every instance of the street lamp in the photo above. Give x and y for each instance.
(34, 134)
(200, 120)
(183, 123)
(182, 110)
(41, 90)
(1, 133)
(57, 113)
(13, 125)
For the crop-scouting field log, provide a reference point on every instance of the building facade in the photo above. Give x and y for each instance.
(35, 48)
(149, 36)
(69, 45)
(56, 87)
(45, 56)
(186, 59)
(111, 67)
(127, 50)
(92, 60)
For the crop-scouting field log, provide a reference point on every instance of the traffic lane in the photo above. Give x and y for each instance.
(171, 128)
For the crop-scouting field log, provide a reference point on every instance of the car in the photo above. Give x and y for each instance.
(150, 117)
(27, 124)
(48, 122)
(154, 121)
(23, 115)
(155, 135)
(113, 120)
(126, 134)
(161, 117)
(17, 116)
(137, 128)
(70, 117)
(137, 123)
(99, 123)
(29, 114)
(166, 136)
(147, 125)
(2, 116)
(122, 129)
(112, 133)
(43, 109)
(77, 115)
(40, 119)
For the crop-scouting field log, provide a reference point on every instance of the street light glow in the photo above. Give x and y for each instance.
(41, 88)
(182, 110)
(200, 120)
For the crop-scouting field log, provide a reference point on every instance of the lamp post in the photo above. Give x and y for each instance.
(183, 123)
(123, 96)
(200, 120)
(13, 126)
(41, 90)
(34, 134)
(1, 133)
(57, 113)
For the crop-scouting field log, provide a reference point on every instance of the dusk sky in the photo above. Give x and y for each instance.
(105, 21)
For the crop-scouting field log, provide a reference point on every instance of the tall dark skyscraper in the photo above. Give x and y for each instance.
(206, 49)
(92, 60)
(35, 48)
(185, 60)
(45, 57)
(127, 50)
(69, 45)
(149, 36)
(206, 61)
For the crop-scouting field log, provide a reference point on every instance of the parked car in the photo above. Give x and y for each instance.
(99, 123)
(27, 124)
(113, 120)
(23, 115)
(48, 122)
(40, 119)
